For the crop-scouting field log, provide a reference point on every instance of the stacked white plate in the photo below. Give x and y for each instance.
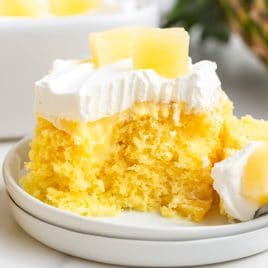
(136, 239)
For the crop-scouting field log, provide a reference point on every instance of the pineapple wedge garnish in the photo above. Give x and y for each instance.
(163, 50)
(111, 46)
(255, 181)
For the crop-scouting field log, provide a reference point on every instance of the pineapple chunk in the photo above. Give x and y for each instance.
(72, 7)
(111, 46)
(255, 181)
(22, 8)
(163, 50)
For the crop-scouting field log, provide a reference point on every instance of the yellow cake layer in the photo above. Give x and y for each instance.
(239, 132)
(152, 157)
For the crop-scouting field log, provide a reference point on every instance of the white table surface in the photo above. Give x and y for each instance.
(249, 90)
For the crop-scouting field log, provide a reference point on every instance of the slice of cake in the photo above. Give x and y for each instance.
(129, 132)
(241, 180)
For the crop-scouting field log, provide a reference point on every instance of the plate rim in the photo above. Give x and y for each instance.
(173, 260)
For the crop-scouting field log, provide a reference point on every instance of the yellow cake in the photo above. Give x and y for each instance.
(121, 134)
(241, 178)
(138, 160)
(239, 132)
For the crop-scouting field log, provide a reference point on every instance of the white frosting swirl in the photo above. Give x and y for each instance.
(228, 175)
(79, 92)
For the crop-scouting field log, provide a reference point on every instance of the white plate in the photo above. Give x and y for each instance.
(131, 225)
(139, 252)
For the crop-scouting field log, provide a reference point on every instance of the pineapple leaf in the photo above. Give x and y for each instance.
(208, 14)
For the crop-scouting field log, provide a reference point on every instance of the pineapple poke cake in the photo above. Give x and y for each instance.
(59, 8)
(140, 127)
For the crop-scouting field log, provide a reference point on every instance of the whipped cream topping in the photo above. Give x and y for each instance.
(228, 175)
(78, 91)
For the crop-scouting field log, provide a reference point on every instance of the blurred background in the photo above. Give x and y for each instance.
(33, 33)
(234, 33)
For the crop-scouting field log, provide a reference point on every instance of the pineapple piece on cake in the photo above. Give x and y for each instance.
(72, 7)
(22, 8)
(111, 46)
(255, 181)
(163, 50)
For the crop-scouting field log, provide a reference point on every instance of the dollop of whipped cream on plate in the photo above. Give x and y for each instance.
(228, 175)
(78, 91)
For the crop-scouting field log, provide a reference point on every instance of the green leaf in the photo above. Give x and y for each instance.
(207, 14)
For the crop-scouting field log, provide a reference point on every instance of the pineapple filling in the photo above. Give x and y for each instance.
(138, 159)
(22, 8)
(255, 181)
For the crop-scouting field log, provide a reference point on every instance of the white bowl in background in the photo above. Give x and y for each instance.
(28, 47)
(128, 225)
(142, 252)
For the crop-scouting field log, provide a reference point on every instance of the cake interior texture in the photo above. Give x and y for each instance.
(151, 157)
(238, 132)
